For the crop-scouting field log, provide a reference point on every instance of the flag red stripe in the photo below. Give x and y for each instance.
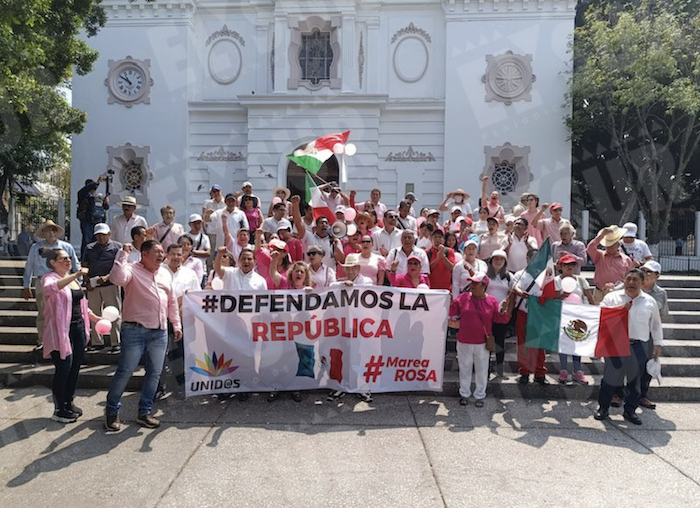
(327, 142)
(324, 211)
(613, 333)
(336, 365)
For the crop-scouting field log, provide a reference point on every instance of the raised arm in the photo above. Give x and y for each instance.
(484, 199)
(121, 270)
(218, 269)
(296, 217)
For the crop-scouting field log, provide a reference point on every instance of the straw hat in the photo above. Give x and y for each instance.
(287, 192)
(460, 191)
(49, 224)
(613, 237)
(351, 260)
(130, 201)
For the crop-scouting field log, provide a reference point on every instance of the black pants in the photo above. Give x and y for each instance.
(499, 332)
(65, 380)
(619, 368)
(174, 364)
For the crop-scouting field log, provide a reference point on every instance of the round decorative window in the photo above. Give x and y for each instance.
(132, 176)
(504, 178)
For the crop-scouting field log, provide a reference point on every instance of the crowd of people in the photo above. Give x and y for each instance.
(241, 241)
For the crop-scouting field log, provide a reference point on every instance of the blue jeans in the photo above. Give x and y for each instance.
(564, 362)
(136, 342)
(87, 229)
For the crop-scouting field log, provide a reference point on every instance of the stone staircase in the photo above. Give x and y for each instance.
(20, 365)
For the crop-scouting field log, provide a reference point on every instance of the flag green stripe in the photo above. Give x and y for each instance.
(539, 262)
(309, 183)
(543, 324)
(307, 162)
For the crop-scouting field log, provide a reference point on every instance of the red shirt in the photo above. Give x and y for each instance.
(440, 275)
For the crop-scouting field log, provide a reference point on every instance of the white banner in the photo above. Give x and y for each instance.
(355, 339)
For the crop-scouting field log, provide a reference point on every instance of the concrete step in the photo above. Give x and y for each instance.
(12, 291)
(26, 354)
(684, 389)
(675, 293)
(10, 280)
(21, 318)
(681, 331)
(17, 303)
(684, 316)
(18, 335)
(672, 366)
(91, 376)
(684, 304)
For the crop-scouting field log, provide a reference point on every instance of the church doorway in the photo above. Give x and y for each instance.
(330, 172)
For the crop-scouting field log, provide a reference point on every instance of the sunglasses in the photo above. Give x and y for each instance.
(366, 241)
(63, 258)
(313, 253)
(413, 263)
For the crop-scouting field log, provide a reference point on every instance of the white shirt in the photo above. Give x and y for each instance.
(408, 222)
(360, 280)
(236, 219)
(387, 240)
(211, 204)
(235, 280)
(581, 286)
(200, 241)
(399, 255)
(134, 256)
(324, 277)
(644, 318)
(517, 255)
(121, 228)
(637, 250)
(460, 274)
(184, 279)
(500, 288)
(380, 208)
(271, 224)
(327, 244)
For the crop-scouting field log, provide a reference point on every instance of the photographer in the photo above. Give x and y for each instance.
(92, 209)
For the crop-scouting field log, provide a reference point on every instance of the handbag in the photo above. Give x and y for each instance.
(490, 343)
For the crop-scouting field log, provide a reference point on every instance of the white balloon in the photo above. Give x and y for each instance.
(338, 148)
(110, 313)
(349, 214)
(217, 284)
(568, 285)
(350, 149)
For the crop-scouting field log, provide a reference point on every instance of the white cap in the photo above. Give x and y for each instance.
(246, 184)
(101, 229)
(652, 266)
(195, 217)
(631, 228)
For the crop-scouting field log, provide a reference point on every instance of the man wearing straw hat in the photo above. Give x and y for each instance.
(123, 224)
(49, 232)
(611, 265)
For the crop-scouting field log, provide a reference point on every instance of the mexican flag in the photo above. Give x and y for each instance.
(314, 154)
(576, 329)
(315, 199)
(541, 269)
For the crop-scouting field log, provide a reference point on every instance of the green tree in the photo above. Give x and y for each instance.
(39, 48)
(636, 81)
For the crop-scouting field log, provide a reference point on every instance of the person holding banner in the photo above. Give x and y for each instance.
(321, 275)
(644, 325)
(242, 277)
(149, 303)
(462, 272)
(476, 311)
(372, 265)
(412, 278)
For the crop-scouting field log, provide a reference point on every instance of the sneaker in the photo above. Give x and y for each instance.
(580, 377)
(524, 379)
(64, 416)
(148, 421)
(541, 380)
(160, 395)
(73, 408)
(335, 395)
(112, 423)
(563, 376)
(365, 397)
(115, 350)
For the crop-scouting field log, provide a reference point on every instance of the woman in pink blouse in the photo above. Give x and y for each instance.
(476, 311)
(373, 265)
(67, 330)
(412, 278)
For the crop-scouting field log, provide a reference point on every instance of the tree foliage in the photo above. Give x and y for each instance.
(637, 80)
(39, 49)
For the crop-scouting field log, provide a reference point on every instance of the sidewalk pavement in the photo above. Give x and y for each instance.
(400, 450)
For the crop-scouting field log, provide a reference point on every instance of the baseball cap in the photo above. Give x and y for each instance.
(566, 259)
(410, 195)
(631, 228)
(555, 205)
(470, 242)
(195, 217)
(284, 224)
(480, 277)
(340, 209)
(246, 184)
(499, 253)
(230, 195)
(216, 186)
(433, 211)
(652, 266)
(101, 229)
(413, 256)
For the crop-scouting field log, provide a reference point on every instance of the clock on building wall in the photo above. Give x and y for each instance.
(129, 81)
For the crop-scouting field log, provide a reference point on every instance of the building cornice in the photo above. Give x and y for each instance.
(123, 12)
(457, 10)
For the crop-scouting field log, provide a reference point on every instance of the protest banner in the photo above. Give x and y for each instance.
(355, 339)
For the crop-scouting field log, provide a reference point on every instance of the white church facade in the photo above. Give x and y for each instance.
(435, 93)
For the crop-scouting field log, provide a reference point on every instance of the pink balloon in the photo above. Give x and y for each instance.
(573, 298)
(338, 148)
(276, 200)
(103, 326)
(350, 214)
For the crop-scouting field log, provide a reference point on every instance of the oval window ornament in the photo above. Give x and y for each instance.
(225, 61)
(411, 59)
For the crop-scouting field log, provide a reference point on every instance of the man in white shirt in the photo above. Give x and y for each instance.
(217, 200)
(201, 246)
(644, 324)
(123, 224)
(459, 198)
(636, 249)
(241, 278)
(333, 195)
(374, 196)
(332, 247)
(519, 242)
(401, 254)
(270, 225)
(138, 236)
(234, 215)
(352, 269)
(389, 237)
(405, 220)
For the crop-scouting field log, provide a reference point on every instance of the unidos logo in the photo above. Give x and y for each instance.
(214, 366)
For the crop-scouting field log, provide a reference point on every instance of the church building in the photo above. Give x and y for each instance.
(436, 93)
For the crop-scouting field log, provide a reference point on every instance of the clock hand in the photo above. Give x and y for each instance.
(123, 76)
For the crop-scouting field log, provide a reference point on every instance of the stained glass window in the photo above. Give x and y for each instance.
(316, 56)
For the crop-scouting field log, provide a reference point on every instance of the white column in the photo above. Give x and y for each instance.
(642, 227)
(281, 61)
(349, 54)
(585, 225)
(372, 74)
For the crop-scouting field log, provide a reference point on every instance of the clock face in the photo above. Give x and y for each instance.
(129, 82)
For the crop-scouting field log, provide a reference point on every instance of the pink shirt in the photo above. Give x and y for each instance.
(404, 280)
(149, 299)
(476, 315)
(550, 229)
(57, 316)
(195, 265)
(175, 232)
(608, 268)
(532, 230)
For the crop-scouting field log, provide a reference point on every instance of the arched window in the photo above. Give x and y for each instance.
(330, 172)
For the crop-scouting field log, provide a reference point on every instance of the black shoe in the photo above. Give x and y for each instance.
(601, 414)
(524, 379)
(243, 396)
(365, 397)
(115, 350)
(463, 401)
(64, 416)
(296, 396)
(541, 380)
(96, 348)
(74, 409)
(632, 418)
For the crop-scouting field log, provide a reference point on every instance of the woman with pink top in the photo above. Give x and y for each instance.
(67, 330)
(412, 278)
(533, 201)
(476, 311)
(373, 265)
(188, 260)
(263, 256)
(253, 214)
(492, 203)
